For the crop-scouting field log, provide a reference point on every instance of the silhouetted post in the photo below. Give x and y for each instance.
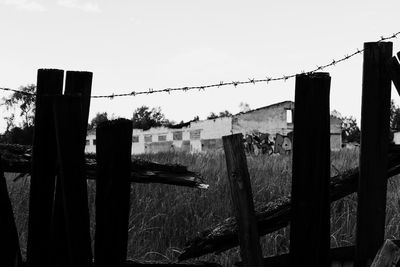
(10, 254)
(72, 181)
(375, 113)
(394, 70)
(310, 222)
(78, 83)
(113, 153)
(44, 159)
(242, 198)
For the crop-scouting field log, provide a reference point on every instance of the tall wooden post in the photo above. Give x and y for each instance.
(375, 112)
(72, 183)
(310, 223)
(79, 84)
(44, 168)
(113, 153)
(242, 198)
(10, 254)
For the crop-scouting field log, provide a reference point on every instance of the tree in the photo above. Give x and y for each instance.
(350, 130)
(212, 116)
(394, 117)
(99, 118)
(225, 113)
(23, 101)
(145, 118)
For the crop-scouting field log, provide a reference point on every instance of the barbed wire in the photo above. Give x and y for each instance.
(232, 83)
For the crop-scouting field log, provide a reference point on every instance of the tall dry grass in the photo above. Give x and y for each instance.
(163, 217)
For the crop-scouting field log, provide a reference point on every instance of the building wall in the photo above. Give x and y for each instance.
(90, 146)
(206, 135)
(273, 119)
(396, 138)
(192, 138)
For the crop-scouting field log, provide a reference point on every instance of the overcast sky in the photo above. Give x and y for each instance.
(137, 45)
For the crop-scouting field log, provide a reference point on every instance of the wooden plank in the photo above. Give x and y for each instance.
(242, 198)
(17, 158)
(387, 256)
(68, 122)
(375, 113)
(10, 254)
(394, 71)
(113, 152)
(310, 217)
(76, 84)
(39, 248)
(80, 83)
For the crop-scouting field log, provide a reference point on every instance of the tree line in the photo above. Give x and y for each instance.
(143, 117)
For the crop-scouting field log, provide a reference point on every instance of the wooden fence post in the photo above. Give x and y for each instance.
(394, 70)
(375, 112)
(80, 83)
(77, 83)
(72, 182)
(242, 198)
(10, 254)
(44, 168)
(113, 153)
(310, 221)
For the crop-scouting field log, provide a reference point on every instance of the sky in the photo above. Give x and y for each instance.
(137, 45)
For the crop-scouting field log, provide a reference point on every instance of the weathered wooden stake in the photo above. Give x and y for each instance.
(68, 123)
(77, 84)
(310, 223)
(10, 254)
(242, 197)
(375, 113)
(394, 71)
(113, 152)
(44, 168)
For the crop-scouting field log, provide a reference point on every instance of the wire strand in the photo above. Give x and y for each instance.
(232, 83)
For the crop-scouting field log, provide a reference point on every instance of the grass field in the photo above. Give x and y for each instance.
(163, 217)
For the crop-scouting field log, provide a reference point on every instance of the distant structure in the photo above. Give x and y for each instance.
(271, 125)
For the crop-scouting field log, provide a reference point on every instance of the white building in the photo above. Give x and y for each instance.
(206, 135)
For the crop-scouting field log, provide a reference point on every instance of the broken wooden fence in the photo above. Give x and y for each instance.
(58, 219)
(308, 208)
(58, 225)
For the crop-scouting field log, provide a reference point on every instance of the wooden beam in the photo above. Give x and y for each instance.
(113, 152)
(44, 169)
(310, 217)
(242, 198)
(72, 186)
(375, 113)
(77, 84)
(17, 159)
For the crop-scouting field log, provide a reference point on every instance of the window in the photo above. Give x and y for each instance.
(94, 142)
(162, 138)
(147, 138)
(87, 142)
(289, 117)
(195, 135)
(135, 139)
(177, 136)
